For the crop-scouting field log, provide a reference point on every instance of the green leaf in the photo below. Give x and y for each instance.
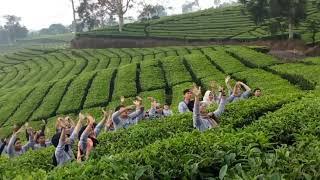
(223, 171)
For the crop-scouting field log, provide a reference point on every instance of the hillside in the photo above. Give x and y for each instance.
(264, 136)
(231, 23)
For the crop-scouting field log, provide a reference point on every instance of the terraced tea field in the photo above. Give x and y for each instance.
(273, 136)
(231, 23)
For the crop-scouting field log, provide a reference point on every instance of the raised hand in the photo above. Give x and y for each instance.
(213, 84)
(138, 98)
(16, 129)
(81, 116)
(122, 99)
(91, 120)
(137, 103)
(196, 91)
(105, 113)
(227, 80)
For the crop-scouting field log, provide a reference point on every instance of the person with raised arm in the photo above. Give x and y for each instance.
(156, 111)
(40, 138)
(202, 120)
(187, 104)
(122, 119)
(63, 142)
(236, 93)
(210, 96)
(15, 147)
(88, 135)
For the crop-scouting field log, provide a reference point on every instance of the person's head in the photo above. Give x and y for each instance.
(203, 108)
(17, 144)
(166, 107)
(187, 94)
(257, 92)
(125, 113)
(41, 138)
(159, 108)
(237, 89)
(208, 96)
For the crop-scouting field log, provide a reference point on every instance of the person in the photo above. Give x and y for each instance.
(59, 122)
(63, 142)
(40, 138)
(122, 119)
(88, 136)
(187, 104)
(156, 110)
(167, 111)
(210, 96)
(109, 127)
(15, 147)
(41, 142)
(257, 92)
(3, 144)
(236, 94)
(201, 119)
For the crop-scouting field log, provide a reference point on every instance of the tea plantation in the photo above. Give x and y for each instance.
(230, 23)
(275, 136)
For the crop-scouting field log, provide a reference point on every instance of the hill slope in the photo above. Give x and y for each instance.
(230, 23)
(264, 136)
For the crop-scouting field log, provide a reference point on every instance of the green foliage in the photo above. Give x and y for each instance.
(151, 76)
(128, 140)
(99, 91)
(175, 71)
(201, 67)
(252, 58)
(267, 82)
(29, 162)
(52, 100)
(125, 83)
(312, 60)
(223, 60)
(74, 98)
(33, 101)
(306, 76)
(13, 103)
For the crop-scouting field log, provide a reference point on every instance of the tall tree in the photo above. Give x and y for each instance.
(313, 26)
(87, 15)
(118, 7)
(74, 23)
(293, 11)
(151, 12)
(188, 6)
(14, 29)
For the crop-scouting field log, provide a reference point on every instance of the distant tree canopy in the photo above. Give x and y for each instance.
(88, 18)
(188, 6)
(291, 11)
(12, 29)
(152, 12)
(54, 29)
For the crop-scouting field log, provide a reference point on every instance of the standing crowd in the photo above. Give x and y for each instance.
(67, 132)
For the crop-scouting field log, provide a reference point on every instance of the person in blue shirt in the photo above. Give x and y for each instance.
(202, 120)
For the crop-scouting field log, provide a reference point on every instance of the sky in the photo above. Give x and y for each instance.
(37, 14)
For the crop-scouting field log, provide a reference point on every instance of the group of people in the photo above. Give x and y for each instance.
(67, 132)
(203, 120)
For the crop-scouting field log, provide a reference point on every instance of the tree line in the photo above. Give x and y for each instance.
(12, 30)
(282, 15)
